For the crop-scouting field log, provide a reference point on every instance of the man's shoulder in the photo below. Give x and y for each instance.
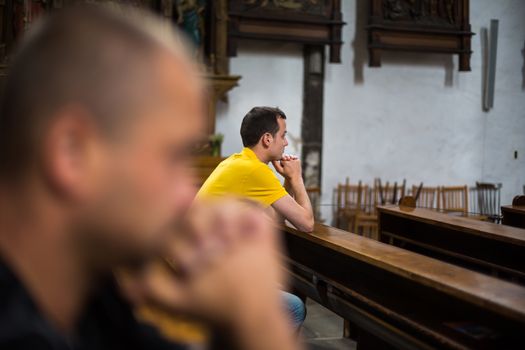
(108, 323)
(263, 170)
(21, 326)
(240, 165)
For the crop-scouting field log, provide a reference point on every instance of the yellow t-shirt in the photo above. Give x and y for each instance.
(243, 174)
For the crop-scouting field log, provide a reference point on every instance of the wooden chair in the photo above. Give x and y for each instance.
(349, 201)
(203, 166)
(339, 204)
(338, 194)
(453, 199)
(426, 197)
(489, 198)
(366, 222)
(518, 200)
(390, 193)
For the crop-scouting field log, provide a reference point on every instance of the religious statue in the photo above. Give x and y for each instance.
(26, 12)
(190, 18)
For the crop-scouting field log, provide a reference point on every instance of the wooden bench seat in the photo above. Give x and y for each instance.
(482, 246)
(400, 299)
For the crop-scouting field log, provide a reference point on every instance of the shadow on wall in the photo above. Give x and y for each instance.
(359, 46)
(523, 73)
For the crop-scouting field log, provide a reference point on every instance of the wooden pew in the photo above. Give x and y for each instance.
(477, 245)
(399, 299)
(514, 215)
(203, 166)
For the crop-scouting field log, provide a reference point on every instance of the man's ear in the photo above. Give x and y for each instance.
(267, 139)
(67, 152)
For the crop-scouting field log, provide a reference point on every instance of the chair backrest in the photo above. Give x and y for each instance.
(426, 197)
(354, 195)
(453, 198)
(350, 196)
(390, 193)
(371, 198)
(488, 198)
(340, 190)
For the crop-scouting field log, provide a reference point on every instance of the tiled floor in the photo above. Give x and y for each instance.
(323, 330)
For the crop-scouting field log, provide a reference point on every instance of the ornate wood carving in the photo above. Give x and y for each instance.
(313, 22)
(420, 25)
(204, 21)
(219, 86)
(217, 37)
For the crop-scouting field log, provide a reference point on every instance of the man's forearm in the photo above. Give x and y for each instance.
(300, 195)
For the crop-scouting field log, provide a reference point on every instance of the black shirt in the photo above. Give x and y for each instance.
(108, 322)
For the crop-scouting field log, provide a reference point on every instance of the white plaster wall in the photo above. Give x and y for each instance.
(272, 75)
(416, 117)
(505, 125)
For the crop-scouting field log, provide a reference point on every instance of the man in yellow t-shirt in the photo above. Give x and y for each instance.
(247, 174)
(244, 175)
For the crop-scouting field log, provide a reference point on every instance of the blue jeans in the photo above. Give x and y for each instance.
(295, 308)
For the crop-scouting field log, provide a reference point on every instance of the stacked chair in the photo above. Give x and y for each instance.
(426, 197)
(356, 204)
(453, 199)
(489, 200)
(349, 202)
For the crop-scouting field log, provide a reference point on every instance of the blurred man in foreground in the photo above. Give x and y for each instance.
(99, 116)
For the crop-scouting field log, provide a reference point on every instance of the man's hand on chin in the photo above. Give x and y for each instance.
(289, 167)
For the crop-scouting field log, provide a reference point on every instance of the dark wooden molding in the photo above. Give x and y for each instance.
(304, 22)
(210, 45)
(440, 26)
(312, 122)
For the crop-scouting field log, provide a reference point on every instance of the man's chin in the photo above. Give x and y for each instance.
(139, 254)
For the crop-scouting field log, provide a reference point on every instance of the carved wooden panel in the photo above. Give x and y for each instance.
(17, 16)
(420, 25)
(203, 21)
(315, 22)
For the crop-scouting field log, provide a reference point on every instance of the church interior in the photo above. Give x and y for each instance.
(408, 119)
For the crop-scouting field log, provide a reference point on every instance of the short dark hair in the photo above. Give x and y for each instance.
(84, 55)
(259, 121)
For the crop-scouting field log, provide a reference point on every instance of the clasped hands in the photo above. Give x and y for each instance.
(289, 167)
(220, 266)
